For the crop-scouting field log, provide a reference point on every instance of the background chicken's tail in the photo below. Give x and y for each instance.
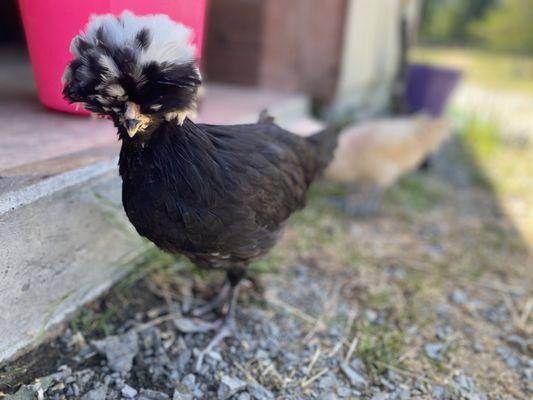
(324, 144)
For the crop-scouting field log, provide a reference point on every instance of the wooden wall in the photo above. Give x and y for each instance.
(290, 45)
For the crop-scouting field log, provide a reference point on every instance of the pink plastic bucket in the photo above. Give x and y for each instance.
(50, 25)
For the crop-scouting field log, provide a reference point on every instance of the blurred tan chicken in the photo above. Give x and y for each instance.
(375, 154)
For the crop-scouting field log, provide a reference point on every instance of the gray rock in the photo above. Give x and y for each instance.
(527, 374)
(467, 387)
(182, 392)
(357, 364)
(183, 359)
(402, 394)
(380, 396)
(229, 386)
(518, 342)
(458, 297)
(356, 379)
(190, 325)
(327, 381)
(259, 392)
(371, 316)
(189, 381)
(244, 396)
(438, 392)
(444, 332)
(147, 394)
(261, 354)
(128, 392)
(509, 358)
(434, 350)
(343, 391)
(215, 355)
(96, 394)
(119, 350)
(75, 390)
(478, 347)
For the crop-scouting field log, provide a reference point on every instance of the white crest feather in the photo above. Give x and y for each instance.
(169, 41)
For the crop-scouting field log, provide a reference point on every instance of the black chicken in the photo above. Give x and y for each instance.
(217, 194)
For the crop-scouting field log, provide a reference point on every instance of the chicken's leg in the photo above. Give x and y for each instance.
(227, 327)
(216, 302)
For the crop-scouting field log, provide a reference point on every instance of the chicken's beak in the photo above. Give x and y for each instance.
(132, 126)
(133, 119)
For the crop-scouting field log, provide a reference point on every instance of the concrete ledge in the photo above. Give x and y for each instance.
(64, 241)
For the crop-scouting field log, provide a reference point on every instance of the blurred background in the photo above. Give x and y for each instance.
(433, 276)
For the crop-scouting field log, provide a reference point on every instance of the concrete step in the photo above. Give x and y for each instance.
(65, 238)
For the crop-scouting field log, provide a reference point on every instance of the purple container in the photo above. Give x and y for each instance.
(429, 88)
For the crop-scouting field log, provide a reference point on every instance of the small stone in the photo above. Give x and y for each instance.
(147, 394)
(380, 396)
(528, 374)
(371, 316)
(190, 325)
(96, 394)
(128, 392)
(189, 381)
(229, 386)
(434, 350)
(467, 387)
(357, 364)
(509, 358)
(244, 396)
(403, 394)
(458, 297)
(215, 355)
(261, 354)
(356, 379)
(183, 359)
(259, 392)
(343, 391)
(119, 350)
(327, 382)
(478, 347)
(518, 342)
(444, 332)
(75, 390)
(182, 393)
(438, 392)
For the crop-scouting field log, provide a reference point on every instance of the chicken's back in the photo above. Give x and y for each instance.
(380, 151)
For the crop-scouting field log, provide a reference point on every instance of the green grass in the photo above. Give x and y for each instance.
(98, 323)
(379, 346)
(414, 193)
(503, 165)
(489, 69)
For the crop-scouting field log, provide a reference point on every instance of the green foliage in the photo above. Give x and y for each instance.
(447, 21)
(507, 27)
(481, 136)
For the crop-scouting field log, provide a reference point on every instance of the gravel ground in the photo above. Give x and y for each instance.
(430, 299)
